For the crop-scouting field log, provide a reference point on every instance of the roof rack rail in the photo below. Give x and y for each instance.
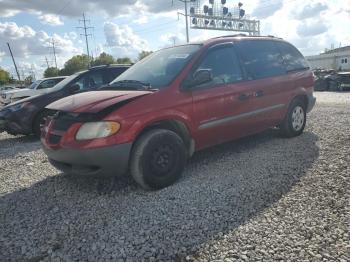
(244, 35)
(96, 67)
(236, 35)
(102, 66)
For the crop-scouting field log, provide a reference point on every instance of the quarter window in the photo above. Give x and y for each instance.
(224, 65)
(261, 59)
(293, 59)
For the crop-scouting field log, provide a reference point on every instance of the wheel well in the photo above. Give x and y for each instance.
(37, 115)
(303, 98)
(177, 127)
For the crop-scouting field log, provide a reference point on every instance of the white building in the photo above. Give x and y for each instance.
(337, 59)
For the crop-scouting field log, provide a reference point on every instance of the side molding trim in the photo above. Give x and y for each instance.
(225, 120)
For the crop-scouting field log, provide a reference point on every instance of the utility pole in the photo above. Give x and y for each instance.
(47, 62)
(186, 17)
(33, 71)
(13, 59)
(85, 28)
(52, 42)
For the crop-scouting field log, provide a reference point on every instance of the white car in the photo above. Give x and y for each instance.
(38, 87)
(4, 89)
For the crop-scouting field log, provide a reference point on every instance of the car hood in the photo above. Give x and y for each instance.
(94, 101)
(17, 91)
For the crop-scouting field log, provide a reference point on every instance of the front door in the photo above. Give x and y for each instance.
(217, 104)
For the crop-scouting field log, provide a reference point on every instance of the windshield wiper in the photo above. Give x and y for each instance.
(131, 84)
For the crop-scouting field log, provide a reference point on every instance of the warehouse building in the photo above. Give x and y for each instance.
(337, 59)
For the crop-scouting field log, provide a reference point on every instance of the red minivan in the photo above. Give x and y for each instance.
(179, 100)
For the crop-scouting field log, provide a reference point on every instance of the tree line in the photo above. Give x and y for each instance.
(75, 64)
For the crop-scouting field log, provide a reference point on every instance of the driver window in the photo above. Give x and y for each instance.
(90, 81)
(224, 65)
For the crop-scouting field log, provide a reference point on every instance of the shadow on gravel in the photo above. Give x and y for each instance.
(222, 188)
(20, 145)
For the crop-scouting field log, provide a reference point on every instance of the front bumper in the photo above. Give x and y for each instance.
(15, 123)
(2, 125)
(311, 103)
(104, 161)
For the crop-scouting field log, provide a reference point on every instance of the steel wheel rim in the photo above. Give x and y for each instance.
(298, 118)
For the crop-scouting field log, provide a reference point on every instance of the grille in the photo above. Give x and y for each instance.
(63, 124)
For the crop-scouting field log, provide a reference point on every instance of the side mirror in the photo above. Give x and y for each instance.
(74, 88)
(201, 76)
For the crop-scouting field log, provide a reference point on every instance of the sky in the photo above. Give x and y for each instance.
(126, 27)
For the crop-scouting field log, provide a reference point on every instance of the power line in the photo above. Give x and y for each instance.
(64, 7)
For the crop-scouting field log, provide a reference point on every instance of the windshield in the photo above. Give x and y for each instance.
(35, 84)
(161, 67)
(65, 81)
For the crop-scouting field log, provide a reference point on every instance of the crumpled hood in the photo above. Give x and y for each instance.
(94, 101)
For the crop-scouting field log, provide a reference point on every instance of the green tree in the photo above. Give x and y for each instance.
(104, 59)
(4, 76)
(143, 54)
(75, 64)
(28, 80)
(51, 72)
(123, 60)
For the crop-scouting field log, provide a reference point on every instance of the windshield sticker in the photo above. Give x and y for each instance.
(179, 56)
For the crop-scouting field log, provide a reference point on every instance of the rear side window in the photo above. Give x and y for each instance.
(47, 84)
(90, 80)
(261, 59)
(293, 59)
(112, 73)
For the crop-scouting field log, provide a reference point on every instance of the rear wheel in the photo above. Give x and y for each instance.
(158, 159)
(295, 120)
(40, 121)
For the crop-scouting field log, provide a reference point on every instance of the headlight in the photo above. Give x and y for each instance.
(16, 107)
(97, 130)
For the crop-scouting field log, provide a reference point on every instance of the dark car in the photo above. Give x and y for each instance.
(26, 116)
(177, 101)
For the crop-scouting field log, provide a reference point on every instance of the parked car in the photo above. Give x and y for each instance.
(343, 81)
(26, 116)
(177, 101)
(4, 89)
(36, 88)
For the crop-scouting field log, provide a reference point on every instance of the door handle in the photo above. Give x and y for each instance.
(243, 97)
(259, 93)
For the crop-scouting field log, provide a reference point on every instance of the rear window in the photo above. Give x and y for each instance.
(293, 59)
(261, 59)
(113, 72)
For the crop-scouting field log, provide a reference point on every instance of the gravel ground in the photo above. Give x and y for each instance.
(260, 198)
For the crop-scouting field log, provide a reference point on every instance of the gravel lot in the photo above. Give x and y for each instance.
(260, 198)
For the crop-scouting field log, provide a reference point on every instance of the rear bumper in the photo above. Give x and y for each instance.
(105, 161)
(311, 103)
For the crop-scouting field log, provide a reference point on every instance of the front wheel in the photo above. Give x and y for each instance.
(295, 120)
(158, 159)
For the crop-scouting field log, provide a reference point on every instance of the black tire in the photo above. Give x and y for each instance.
(290, 127)
(40, 120)
(158, 159)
